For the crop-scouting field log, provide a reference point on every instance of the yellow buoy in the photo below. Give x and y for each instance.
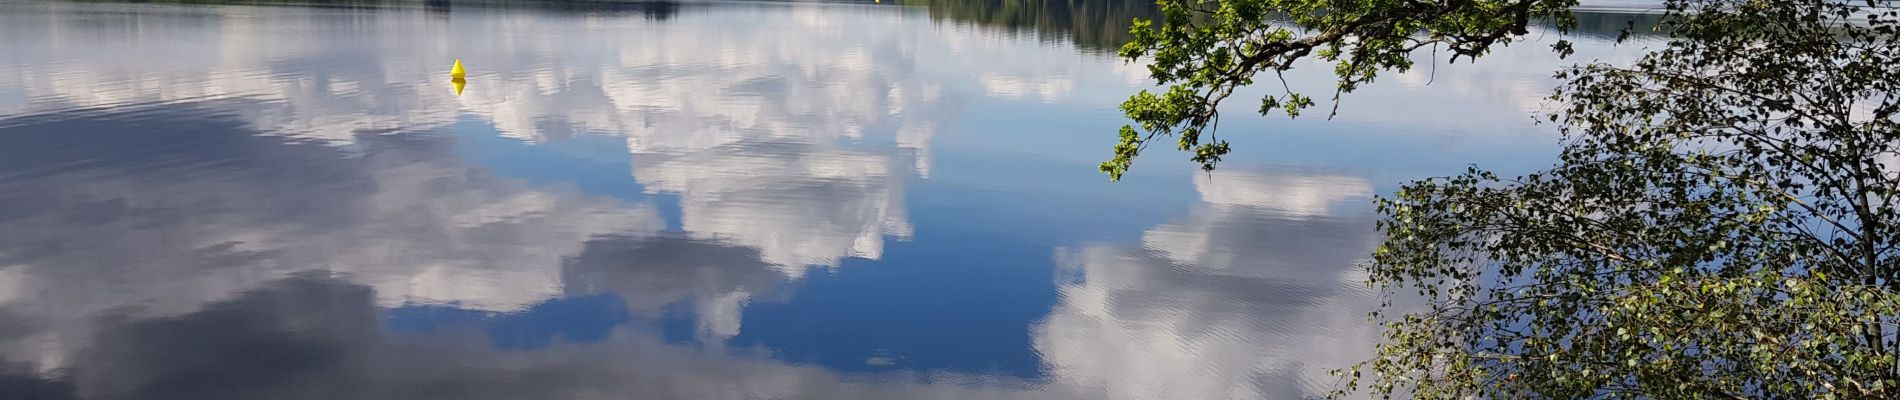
(459, 84)
(457, 72)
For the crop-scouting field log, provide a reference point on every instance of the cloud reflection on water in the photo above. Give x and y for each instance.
(1251, 295)
(240, 212)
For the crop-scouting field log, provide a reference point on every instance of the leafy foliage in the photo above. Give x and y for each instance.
(1206, 49)
(1723, 224)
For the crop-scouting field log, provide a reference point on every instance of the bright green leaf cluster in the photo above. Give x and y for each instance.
(1204, 50)
(1724, 223)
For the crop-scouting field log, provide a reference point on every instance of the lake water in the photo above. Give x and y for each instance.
(684, 200)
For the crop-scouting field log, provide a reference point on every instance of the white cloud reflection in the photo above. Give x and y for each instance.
(786, 152)
(798, 145)
(161, 232)
(1241, 298)
(1011, 86)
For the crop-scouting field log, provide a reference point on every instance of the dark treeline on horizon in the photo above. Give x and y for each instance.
(650, 9)
(1094, 25)
(1102, 25)
(1099, 26)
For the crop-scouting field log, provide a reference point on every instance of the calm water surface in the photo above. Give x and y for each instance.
(700, 201)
